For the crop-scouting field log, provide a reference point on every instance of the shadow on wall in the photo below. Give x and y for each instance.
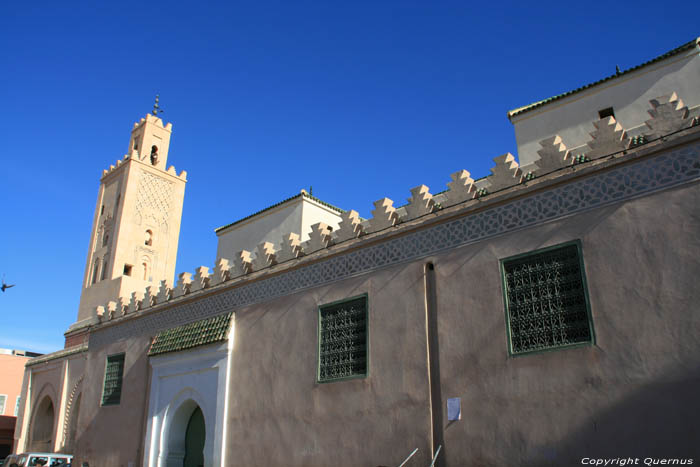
(659, 421)
(100, 441)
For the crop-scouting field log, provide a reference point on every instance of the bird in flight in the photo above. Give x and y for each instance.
(5, 286)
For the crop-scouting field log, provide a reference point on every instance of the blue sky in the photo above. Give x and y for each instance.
(361, 100)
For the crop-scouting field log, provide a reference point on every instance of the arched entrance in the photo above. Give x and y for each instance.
(186, 436)
(195, 435)
(41, 432)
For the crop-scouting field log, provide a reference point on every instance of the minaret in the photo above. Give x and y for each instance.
(136, 225)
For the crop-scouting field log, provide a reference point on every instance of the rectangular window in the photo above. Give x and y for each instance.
(546, 299)
(17, 406)
(3, 398)
(114, 371)
(343, 340)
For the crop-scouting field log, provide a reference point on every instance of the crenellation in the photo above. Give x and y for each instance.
(183, 285)
(171, 171)
(350, 227)
(201, 279)
(504, 174)
(668, 114)
(290, 248)
(319, 238)
(383, 216)
(98, 313)
(264, 257)
(220, 273)
(111, 310)
(461, 188)
(420, 203)
(122, 306)
(164, 292)
(241, 265)
(609, 137)
(183, 175)
(553, 156)
(135, 302)
(149, 298)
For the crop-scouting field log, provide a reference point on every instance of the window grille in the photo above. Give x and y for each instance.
(114, 371)
(3, 398)
(546, 299)
(343, 340)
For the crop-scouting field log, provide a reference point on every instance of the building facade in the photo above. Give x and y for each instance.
(12, 363)
(537, 316)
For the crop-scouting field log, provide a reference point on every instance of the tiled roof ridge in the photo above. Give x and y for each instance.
(197, 333)
(298, 195)
(670, 53)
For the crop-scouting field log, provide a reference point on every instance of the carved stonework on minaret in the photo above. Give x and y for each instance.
(153, 199)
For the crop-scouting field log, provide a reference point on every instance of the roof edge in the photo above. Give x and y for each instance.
(527, 108)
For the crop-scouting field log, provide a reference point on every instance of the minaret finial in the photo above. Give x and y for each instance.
(156, 107)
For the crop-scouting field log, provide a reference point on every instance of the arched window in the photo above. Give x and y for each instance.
(149, 238)
(105, 263)
(95, 270)
(145, 271)
(105, 239)
(154, 154)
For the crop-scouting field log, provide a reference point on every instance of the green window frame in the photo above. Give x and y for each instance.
(114, 374)
(343, 340)
(546, 300)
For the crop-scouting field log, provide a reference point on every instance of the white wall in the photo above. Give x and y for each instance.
(572, 117)
(177, 379)
(295, 216)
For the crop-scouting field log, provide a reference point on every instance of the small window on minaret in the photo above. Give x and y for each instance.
(149, 238)
(105, 239)
(154, 155)
(127, 269)
(105, 263)
(95, 270)
(102, 210)
(608, 112)
(136, 144)
(145, 271)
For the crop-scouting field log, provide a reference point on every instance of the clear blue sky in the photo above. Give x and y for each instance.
(359, 99)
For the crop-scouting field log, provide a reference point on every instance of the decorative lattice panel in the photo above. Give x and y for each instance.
(112, 393)
(546, 300)
(343, 340)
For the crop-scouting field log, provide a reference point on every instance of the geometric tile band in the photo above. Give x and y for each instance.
(631, 180)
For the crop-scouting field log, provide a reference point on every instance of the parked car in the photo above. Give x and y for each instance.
(39, 459)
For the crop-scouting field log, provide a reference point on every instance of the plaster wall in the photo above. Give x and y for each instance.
(12, 371)
(632, 393)
(280, 415)
(295, 216)
(40, 381)
(572, 117)
(112, 435)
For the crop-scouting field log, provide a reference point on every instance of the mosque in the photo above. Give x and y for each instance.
(542, 315)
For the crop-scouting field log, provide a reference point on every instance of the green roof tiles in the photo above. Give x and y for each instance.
(670, 53)
(203, 332)
(303, 193)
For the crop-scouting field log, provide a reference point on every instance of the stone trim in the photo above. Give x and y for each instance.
(58, 354)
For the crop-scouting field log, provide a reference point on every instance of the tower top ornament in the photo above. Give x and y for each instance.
(156, 107)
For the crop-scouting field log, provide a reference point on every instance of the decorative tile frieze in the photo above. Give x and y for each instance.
(619, 183)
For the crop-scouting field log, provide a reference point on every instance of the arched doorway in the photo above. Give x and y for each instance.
(186, 436)
(195, 435)
(42, 427)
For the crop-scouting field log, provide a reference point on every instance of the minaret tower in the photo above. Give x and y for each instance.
(136, 225)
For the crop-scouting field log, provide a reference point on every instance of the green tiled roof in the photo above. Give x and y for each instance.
(303, 193)
(203, 332)
(677, 50)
